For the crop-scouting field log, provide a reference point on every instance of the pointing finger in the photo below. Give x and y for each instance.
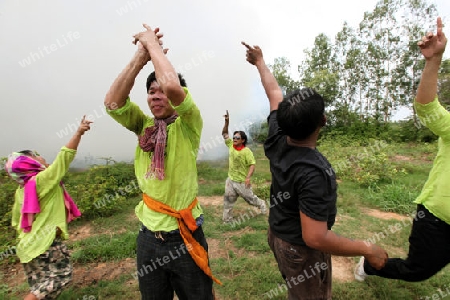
(247, 46)
(439, 26)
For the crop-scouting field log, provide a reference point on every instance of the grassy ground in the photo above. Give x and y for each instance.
(103, 250)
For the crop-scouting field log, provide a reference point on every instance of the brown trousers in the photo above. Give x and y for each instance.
(306, 271)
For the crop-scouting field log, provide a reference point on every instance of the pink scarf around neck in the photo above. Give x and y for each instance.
(23, 169)
(154, 140)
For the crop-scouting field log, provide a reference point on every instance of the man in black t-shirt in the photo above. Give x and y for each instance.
(303, 192)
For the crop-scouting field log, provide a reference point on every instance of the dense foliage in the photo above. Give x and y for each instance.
(102, 190)
(98, 191)
(398, 132)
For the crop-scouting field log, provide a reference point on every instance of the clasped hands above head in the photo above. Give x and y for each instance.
(148, 38)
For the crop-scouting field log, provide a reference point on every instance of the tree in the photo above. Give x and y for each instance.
(416, 14)
(383, 46)
(108, 160)
(281, 69)
(317, 70)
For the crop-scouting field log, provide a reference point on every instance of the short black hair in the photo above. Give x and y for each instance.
(243, 136)
(27, 152)
(152, 77)
(300, 113)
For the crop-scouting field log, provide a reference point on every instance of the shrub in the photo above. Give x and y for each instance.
(102, 190)
(408, 131)
(261, 188)
(7, 191)
(258, 131)
(366, 164)
(393, 197)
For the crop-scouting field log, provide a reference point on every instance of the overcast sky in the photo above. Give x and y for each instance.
(59, 58)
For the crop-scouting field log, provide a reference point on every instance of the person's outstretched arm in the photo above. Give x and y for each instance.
(432, 47)
(165, 73)
(225, 126)
(54, 172)
(85, 125)
(317, 236)
(121, 87)
(270, 84)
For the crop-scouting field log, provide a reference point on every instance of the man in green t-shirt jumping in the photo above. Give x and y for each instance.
(240, 170)
(429, 241)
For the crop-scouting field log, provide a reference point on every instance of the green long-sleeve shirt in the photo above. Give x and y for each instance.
(53, 210)
(435, 195)
(179, 187)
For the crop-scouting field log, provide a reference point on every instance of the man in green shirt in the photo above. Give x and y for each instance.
(240, 170)
(429, 242)
(165, 168)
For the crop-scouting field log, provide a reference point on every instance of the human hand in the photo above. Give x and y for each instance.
(248, 183)
(142, 52)
(378, 257)
(433, 45)
(85, 125)
(253, 55)
(227, 117)
(149, 38)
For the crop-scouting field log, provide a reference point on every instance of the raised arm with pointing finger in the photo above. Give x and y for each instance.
(429, 243)
(303, 192)
(225, 126)
(432, 47)
(270, 84)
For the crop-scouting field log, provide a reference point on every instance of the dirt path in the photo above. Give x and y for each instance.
(384, 215)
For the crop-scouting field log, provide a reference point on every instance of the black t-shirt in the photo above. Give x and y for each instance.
(302, 180)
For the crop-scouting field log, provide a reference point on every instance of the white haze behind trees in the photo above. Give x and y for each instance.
(59, 58)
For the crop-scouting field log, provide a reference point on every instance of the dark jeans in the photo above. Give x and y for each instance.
(429, 250)
(307, 271)
(165, 266)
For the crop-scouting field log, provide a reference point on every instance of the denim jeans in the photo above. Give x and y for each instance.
(429, 250)
(164, 266)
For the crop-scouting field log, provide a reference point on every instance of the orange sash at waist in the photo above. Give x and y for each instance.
(187, 225)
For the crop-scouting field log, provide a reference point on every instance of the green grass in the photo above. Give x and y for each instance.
(115, 289)
(393, 197)
(242, 259)
(211, 176)
(102, 248)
